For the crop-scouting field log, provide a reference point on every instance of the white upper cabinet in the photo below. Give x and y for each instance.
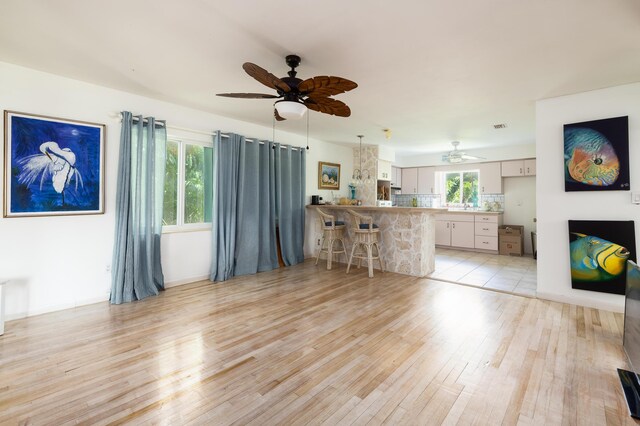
(427, 180)
(384, 170)
(530, 167)
(490, 179)
(394, 177)
(519, 168)
(409, 183)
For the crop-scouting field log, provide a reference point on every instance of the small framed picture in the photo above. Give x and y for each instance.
(328, 175)
(53, 166)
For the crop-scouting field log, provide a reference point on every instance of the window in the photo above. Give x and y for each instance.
(187, 185)
(461, 188)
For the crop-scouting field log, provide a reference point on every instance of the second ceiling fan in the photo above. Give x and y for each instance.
(295, 94)
(456, 156)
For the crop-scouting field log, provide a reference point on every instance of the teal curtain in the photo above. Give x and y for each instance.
(137, 270)
(290, 170)
(226, 164)
(257, 187)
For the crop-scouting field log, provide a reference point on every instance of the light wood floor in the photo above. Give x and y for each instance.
(303, 345)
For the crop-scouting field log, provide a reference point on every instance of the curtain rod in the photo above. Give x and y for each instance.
(201, 132)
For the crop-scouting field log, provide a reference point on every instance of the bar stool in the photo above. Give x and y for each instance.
(365, 238)
(332, 232)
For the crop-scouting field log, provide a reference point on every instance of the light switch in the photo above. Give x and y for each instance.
(635, 197)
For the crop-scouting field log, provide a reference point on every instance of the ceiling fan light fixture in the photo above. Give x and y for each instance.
(291, 110)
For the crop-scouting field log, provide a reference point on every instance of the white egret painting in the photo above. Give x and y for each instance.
(53, 166)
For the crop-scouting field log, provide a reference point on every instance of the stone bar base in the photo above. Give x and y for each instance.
(407, 235)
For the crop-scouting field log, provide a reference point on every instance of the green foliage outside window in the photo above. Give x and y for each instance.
(170, 202)
(465, 194)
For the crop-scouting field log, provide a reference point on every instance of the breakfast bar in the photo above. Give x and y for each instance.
(407, 234)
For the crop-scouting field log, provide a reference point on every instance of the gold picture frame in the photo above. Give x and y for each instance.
(328, 175)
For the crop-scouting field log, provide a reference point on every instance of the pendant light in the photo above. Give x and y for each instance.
(361, 176)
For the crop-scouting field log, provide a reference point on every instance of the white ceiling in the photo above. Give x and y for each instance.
(431, 71)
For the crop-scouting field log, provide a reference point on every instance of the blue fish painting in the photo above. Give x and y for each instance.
(596, 259)
(589, 158)
(598, 254)
(596, 155)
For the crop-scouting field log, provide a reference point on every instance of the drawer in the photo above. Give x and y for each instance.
(455, 217)
(486, 243)
(487, 229)
(489, 218)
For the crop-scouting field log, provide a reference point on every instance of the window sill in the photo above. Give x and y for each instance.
(196, 227)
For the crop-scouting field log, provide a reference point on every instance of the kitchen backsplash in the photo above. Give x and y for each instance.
(406, 200)
(433, 200)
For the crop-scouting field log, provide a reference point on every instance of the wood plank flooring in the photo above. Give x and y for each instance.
(303, 345)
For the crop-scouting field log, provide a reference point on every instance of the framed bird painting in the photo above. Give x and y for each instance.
(53, 166)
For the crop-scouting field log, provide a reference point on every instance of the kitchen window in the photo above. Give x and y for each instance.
(187, 186)
(461, 188)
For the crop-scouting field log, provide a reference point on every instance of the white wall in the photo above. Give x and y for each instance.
(555, 207)
(60, 262)
(520, 205)
(511, 152)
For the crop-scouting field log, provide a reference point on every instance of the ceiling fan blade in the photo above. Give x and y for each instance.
(324, 86)
(265, 77)
(472, 157)
(328, 106)
(247, 95)
(278, 116)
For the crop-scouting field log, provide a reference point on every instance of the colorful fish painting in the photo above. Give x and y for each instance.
(598, 254)
(596, 155)
(590, 158)
(596, 259)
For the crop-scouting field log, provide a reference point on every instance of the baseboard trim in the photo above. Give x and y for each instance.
(55, 308)
(183, 281)
(582, 301)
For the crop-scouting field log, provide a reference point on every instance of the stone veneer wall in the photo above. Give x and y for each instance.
(406, 240)
(367, 193)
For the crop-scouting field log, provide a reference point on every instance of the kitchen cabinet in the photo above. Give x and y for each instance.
(468, 230)
(396, 177)
(530, 167)
(427, 180)
(384, 170)
(455, 231)
(462, 234)
(409, 180)
(490, 179)
(519, 168)
(443, 233)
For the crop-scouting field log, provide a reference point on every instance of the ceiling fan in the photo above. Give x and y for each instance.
(297, 95)
(456, 156)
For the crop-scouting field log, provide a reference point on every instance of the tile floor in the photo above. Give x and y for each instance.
(510, 274)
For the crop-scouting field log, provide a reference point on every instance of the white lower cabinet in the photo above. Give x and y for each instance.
(455, 230)
(443, 233)
(462, 234)
(471, 231)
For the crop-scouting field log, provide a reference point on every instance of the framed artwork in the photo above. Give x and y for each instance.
(596, 155)
(53, 166)
(599, 250)
(328, 175)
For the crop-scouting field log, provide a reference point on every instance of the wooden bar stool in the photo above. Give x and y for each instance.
(332, 232)
(365, 239)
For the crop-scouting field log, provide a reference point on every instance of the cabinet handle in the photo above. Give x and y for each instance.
(453, 225)
(483, 189)
(485, 229)
(520, 170)
(432, 189)
(485, 242)
(527, 170)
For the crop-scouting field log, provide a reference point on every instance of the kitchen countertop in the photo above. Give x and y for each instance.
(394, 209)
(398, 209)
